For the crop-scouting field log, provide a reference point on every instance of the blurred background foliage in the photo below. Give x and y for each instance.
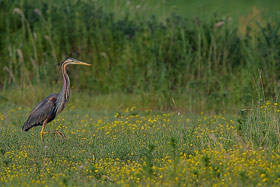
(178, 51)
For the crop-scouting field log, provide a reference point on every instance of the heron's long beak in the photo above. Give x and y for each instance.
(81, 63)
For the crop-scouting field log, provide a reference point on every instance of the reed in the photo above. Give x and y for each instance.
(208, 59)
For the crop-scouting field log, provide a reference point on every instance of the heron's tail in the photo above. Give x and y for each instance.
(25, 126)
(28, 125)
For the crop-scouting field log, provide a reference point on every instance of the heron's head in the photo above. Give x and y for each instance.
(74, 61)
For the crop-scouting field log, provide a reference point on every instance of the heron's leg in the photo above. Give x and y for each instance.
(56, 132)
(42, 133)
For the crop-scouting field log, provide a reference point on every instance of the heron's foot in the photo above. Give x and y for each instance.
(59, 133)
(51, 132)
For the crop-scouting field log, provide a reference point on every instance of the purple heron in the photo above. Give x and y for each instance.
(52, 105)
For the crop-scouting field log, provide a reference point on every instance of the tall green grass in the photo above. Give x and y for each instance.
(203, 61)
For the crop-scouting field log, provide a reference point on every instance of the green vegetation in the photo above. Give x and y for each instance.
(214, 63)
(132, 147)
(174, 97)
(191, 8)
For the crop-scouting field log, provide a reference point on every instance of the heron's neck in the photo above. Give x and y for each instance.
(65, 92)
(66, 85)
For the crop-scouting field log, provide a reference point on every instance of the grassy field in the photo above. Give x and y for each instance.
(136, 147)
(182, 93)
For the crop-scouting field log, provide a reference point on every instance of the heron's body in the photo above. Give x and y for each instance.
(52, 105)
(44, 110)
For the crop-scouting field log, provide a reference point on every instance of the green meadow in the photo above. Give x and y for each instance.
(142, 147)
(182, 93)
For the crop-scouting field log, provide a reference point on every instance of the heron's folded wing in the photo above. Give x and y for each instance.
(41, 112)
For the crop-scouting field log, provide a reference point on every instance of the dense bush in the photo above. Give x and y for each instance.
(133, 56)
